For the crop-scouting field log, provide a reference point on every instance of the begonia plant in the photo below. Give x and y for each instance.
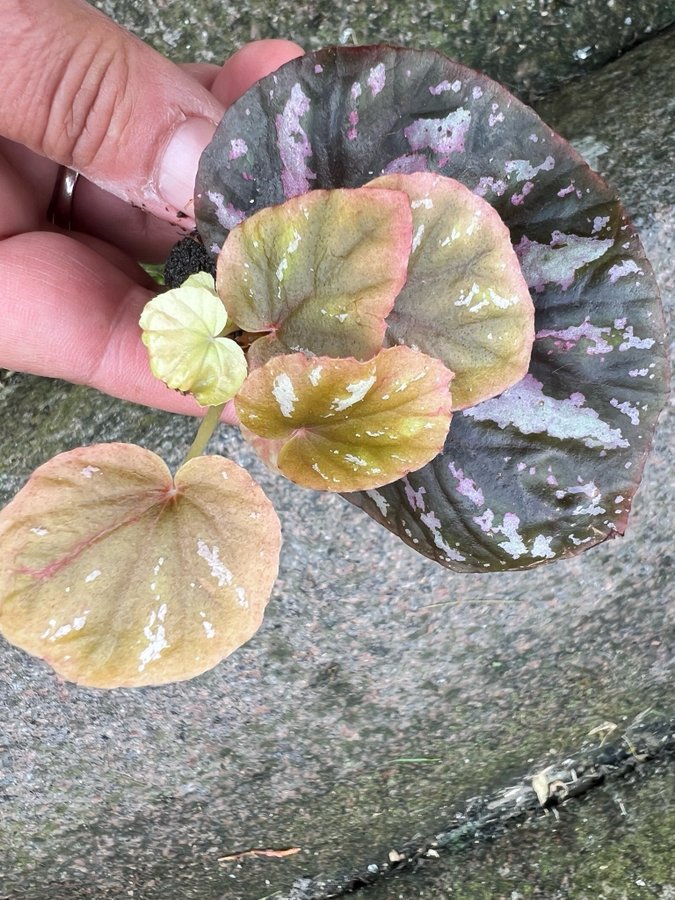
(418, 296)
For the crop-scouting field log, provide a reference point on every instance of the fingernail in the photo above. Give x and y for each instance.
(178, 167)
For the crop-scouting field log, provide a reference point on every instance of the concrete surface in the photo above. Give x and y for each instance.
(530, 45)
(370, 657)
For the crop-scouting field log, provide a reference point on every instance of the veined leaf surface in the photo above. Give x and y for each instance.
(341, 424)
(119, 575)
(319, 272)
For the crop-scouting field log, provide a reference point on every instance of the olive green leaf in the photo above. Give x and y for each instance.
(182, 330)
(345, 425)
(319, 273)
(119, 575)
(465, 301)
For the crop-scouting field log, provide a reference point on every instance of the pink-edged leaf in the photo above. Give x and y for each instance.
(119, 575)
(341, 424)
(319, 273)
(549, 468)
(465, 300)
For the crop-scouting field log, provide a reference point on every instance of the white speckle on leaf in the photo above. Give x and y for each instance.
(558, 262)
(433, 523)
(209, 629)
(242, 599)
(488, 183)
(376, 79)
(355, 460)
(212, 556)
(417, 238)
(569, 337)
(315, 467)
(621, 270)
(632, 412)
(41, 532)
(89, 471)
(156, 637)
(227, 215)
(92, 576)
(440, 88)
(355, 393)
(284, 394)
(315, 375)
(524, 170)
(295, 241)
(379, 501)
(293, 143)
(465, 486)
(61, 632)
(526, 408)
(443, 136)
(238, 147)
(632, 342)
(541, 547)
(281, 268)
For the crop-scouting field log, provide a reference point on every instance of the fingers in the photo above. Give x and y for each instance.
(74, 315)
(99, 213)
(248, 65)
(102, 102)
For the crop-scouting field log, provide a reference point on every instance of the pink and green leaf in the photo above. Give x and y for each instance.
(549, 468)
(119, 575)
(344, 425)
(465, 300)
(319, 273)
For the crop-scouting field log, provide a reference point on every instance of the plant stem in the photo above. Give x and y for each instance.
(208, 425)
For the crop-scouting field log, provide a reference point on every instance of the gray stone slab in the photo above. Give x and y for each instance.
(370, 656)
(529, 45)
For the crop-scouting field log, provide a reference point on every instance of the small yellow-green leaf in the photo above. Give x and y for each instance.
(182, 330)
(345, 425)
(465, 301)
(118, 575)
(319, 273)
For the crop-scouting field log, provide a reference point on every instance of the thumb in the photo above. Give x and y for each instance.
(83, 92)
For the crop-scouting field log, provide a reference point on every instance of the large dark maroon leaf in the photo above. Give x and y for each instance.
(549, 467)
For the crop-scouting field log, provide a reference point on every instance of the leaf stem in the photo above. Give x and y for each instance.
(208, 425)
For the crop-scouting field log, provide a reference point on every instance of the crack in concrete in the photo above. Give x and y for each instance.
(486, 817)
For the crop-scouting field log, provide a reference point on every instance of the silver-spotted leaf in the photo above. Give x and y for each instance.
(183, 330)
(550, 467)
(119, 575)
(341, 424)
(319, 273)
(465, 300)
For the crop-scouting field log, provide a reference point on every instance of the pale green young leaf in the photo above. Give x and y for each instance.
(183, 330)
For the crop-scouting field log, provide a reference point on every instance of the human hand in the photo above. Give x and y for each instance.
(79, 91)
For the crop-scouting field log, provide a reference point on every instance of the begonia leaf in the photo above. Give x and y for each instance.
(119, 575)
(341, 424)
(550, 467)
(319, 273)
(182, 330)
(465, 300)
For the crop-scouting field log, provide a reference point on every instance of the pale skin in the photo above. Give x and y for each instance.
(81, 92)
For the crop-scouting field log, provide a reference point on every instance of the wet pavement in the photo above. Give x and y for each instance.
(383, 693)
